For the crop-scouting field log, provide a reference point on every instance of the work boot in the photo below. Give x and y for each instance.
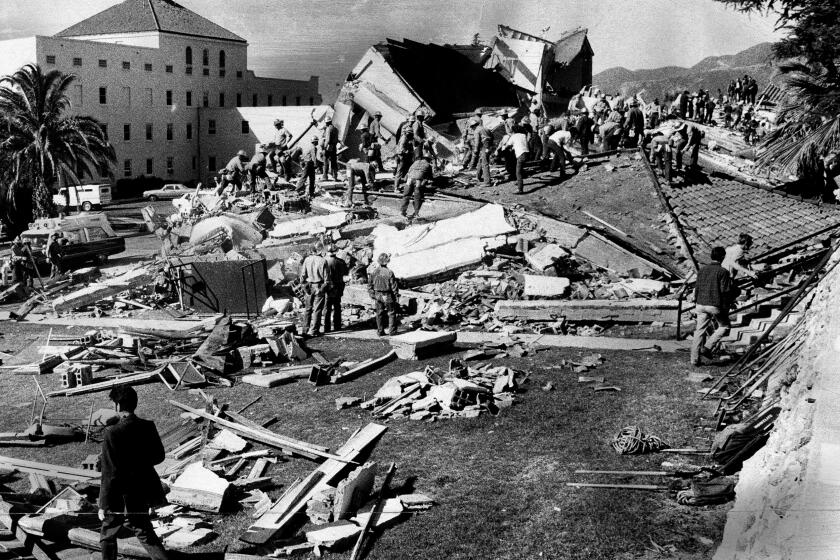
(380, 333)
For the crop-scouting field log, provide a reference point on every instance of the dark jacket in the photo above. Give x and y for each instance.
(635, 120)
(130, 450)
(383, 284)
(714, 287)
(337, 269)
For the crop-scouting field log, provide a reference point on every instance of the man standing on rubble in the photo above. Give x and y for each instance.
(308, 161)
(557, 143)
(518, 142)
(585, 131)
(282, 136)
(337, 269)
(383, 288)
(405, 156)
(365, 172)
(418, 176)
(711, 304)
(634, 125)
(482, 147)
(130, 486)
(329, 144)
(234, 171)
(314, 279)
(257, 167)
(375, 127)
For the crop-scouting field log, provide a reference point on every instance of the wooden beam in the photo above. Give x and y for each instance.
(618, 486)
(134, 379)
(46, 469)
(358, 549)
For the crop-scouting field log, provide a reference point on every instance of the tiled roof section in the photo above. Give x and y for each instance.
(133, 16)
(715, 213)
(571, 44)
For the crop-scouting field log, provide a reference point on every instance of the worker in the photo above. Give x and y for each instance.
(405, 156)
(654, 111)
(677, 142)
(375, 127)
(55, 255)
(660, 153)
(482, 147)
(695, 137)
(735, 254)
(601, 109)
(418, 176)
(510, 122)
(329, 144)
(282, 136)
(337, 269)
(234, 171)
(585, 131)
(129, 484)
(365, 172)
(711, 305)
(634, 125)
(517, 147)
(370, 148)
(384, 291)
(308, 161)
(20, 262)
(257, 166)
(557, 143)
(314, 279)
(419, 127)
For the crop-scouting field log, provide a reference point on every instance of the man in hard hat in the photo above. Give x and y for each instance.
(375, 127)
(482, 147)
(257, 167)
(308, 161)
(364, 172)
(405, 156)
(418, 176)
(329, 144)
(234, 171)
(383, 288)
(337, 269)
(282, 136)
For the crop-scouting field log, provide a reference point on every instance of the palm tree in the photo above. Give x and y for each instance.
(43, 143)
(810, 121)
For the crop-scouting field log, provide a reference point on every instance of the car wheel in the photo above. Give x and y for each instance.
(86, 206)
(153, 198)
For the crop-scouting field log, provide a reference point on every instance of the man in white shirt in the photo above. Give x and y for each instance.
(557, 143)
(517, 141)
(735, 254)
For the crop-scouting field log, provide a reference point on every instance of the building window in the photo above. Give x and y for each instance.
(193, 162)
(103, 63)
(189, 70)
(170, 131)
(189, 99)
(169, 69)
(50, 59)
(104, 127)
(127, 168)
(284, 101)
(103, 95)
(149, 97)
(221, 99)
(189, 131)
(206, 72)
(222, 59)
(126, 65)
(205, 57)
(239, 100)
(205, 99)
(270, 100)
(222, 73)
(149, 135)
(170, 165)
(211, 126)
(312, 101)
(150, 166)
(255, 100)
(147, 67)
(189, 56)
(211, 163)
(246, 128)
(239, 74)
(127, 132)
(297, 100)
(169, 97)
(77, 61)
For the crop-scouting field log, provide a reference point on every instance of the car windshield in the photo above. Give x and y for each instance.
(37, 240)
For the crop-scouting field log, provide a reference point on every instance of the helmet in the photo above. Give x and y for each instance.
(383, 259)
(262, 148)
(314, 139)
(377, 114)
(242, 153)
(421, 116)
(278, 121)
(328, 119)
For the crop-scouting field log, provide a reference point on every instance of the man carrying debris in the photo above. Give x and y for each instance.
(365, 172)
(660, 153)
(557, 143)
(329, 144)
(482, 147)
(419, 175)
(130, 486)
(314, 279)
(711, 304)
(337, 269)
(308, 161)
(383, 288)
(234, 171)
(732, 262)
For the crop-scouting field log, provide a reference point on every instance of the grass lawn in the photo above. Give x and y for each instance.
(499, 482)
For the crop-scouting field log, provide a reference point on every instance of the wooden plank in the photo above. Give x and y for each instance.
(636, 310)
(90, 539)
(134, 379)
(281, 513)
(374, 514)
(46, 469)
(266, 437)
(618, 486)
(236, 417)
(364, 367)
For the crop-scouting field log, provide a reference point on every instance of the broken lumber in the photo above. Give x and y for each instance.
(90, 539)
(48, 470)
(374, 514)
(618, 486)
(278, 377)
(94, 292)
(295, 499)
(134, 379)
(266, 437)
(236, 417)
(411, 345)
(364, 367)
(636, 310)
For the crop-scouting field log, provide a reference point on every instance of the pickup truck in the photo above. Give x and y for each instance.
(90, 239)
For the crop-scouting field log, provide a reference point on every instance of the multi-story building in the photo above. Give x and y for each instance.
(145, 69)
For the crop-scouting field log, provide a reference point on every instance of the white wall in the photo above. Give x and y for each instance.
(16, 53)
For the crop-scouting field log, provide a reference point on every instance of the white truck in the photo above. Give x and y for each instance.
(83, 197)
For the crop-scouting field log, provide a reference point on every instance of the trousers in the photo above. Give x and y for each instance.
(138, 521)
(314, 308)
(483, 166)
(331, 163)
(332, 313)
(351, 182)
(308, 172)
(412, 187)
(403, 163)
(706, 316)
(386, 315)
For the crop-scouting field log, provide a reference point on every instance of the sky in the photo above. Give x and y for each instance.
(298, 38)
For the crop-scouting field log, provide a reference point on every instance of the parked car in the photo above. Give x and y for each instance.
(90, 239)
(167, 192)
(83, 197)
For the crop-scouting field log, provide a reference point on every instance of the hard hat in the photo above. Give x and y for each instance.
(242, 153)
(421, 115)
(278, 121)
(383, 258)
(262, 148)
(314, 140)
(328, 119)
(377, 114)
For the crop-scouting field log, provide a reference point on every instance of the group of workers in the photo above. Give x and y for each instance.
(23, 262)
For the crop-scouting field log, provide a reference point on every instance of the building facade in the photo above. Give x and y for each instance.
(146, 69)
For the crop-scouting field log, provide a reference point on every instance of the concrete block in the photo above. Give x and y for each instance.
(545, 286)
(409, 345)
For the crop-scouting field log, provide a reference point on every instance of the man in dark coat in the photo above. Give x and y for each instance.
(130, 486)
(383, 288)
